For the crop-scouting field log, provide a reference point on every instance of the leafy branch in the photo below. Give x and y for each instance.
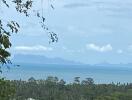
(13, 27)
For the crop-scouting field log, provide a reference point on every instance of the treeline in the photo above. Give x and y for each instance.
(54, 89)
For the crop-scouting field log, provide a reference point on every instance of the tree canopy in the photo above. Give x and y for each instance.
(54, 88)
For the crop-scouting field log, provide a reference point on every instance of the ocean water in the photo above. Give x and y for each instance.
(100, 74)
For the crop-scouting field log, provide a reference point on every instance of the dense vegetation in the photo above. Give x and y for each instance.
(7, 89)
(54, 89)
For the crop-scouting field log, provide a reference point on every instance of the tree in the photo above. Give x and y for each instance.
(88, 81)
(50, 90)
(6, 29)
(7, 89)
(62, 82)
(32, 79)
(76, 80)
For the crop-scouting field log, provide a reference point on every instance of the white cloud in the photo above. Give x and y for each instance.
(33, 48)
(95, 47)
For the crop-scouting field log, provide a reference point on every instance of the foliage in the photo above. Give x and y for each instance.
(7, 90)
(54, 89)
(6, 29)
(10, 27)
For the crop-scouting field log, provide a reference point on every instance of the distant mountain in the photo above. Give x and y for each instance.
(38, 59)
(106, 64)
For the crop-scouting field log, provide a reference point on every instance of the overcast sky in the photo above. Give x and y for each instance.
(89, 31)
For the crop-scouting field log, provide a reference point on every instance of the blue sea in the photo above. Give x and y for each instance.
(100, 74)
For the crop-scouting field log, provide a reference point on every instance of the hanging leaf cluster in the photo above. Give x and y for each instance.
(5, 43)
(23, 7)
(52, 35)
(13, 26)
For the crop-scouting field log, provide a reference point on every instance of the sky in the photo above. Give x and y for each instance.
(89, 31)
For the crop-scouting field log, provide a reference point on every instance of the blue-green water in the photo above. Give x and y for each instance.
(68, 72)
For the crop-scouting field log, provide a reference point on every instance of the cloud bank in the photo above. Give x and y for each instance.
(97, 48)
(33, 48)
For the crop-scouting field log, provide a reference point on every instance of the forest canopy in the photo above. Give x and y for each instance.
(53, 88)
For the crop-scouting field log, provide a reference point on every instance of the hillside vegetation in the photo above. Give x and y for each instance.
(54, 89)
